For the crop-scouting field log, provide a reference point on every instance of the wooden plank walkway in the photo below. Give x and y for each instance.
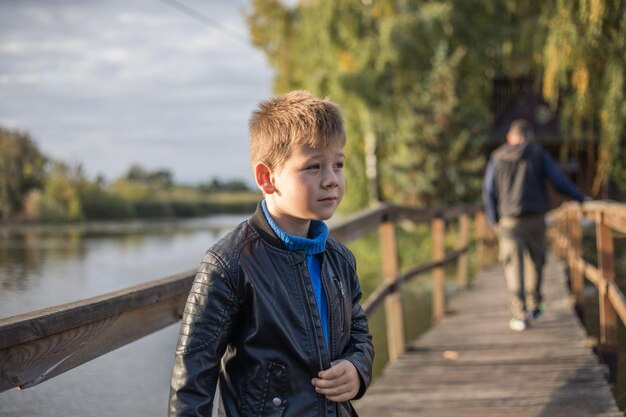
(471, 363)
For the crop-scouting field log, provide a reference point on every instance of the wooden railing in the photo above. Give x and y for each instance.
(388, 293)
(567, 237)
(37, 346)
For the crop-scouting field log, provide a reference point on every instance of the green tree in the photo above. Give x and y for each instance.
(430, 156)
(159, 178)
(22, 168)
(217, 185)
(584, 62)
(61, 199)
(312, 49)
(413, 80)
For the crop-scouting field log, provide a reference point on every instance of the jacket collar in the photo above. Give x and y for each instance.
(260, 224)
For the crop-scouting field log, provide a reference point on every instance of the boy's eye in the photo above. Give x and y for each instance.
(339, 165)
(313, 166)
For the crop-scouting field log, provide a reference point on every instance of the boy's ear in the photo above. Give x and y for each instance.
(263, 178)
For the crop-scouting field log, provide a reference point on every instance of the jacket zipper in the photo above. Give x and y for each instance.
(319, 348)
(331, 336)
(331, 327)
(308, 303)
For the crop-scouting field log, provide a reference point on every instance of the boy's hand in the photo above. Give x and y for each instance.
(338, 383)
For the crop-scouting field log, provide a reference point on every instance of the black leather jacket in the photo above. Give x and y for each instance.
(252, 306)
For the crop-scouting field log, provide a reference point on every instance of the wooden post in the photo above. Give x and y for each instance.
(491, 245)
(563, 235)
(462, 265)
(558, 240)
(608, 319)
(393, 302)
(574, 254)
(439, 277)
(479, 226)
(557, 234)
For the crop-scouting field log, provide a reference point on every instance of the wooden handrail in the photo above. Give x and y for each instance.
(375, 299)
(37, 346)
(358, 224)
(45, 322)
(617, 299)
(566, 236)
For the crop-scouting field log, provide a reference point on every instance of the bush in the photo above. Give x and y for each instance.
(153, 209)
(51, 211)
(98, 204)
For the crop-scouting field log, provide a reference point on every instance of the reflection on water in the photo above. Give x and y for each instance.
(42, 267)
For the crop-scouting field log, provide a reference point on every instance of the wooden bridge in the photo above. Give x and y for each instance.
(469, 363)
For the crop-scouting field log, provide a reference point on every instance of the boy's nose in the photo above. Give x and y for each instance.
(330, 180)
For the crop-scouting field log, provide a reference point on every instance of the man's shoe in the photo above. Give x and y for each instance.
(518, 325)
(537, 312)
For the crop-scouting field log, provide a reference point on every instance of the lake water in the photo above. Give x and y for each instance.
(47, 267)
(40, 267)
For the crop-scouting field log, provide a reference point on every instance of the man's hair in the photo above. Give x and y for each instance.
(295, 118)
(521, 127)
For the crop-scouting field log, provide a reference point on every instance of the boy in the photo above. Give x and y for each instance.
(276, 301)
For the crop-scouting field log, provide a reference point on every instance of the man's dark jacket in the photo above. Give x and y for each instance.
(515, 181)
(252, 303)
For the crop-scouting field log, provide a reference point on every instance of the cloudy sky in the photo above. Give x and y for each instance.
(111, 83)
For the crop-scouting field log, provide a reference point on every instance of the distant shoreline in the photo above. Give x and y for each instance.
(131, 225)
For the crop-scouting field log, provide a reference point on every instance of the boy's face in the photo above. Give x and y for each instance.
(309, 186)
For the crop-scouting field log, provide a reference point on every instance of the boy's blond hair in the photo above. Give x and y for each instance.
(295, 118)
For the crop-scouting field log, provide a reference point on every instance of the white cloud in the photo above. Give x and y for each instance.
(19, 79)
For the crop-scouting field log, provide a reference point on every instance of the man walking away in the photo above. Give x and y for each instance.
(516, 201)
